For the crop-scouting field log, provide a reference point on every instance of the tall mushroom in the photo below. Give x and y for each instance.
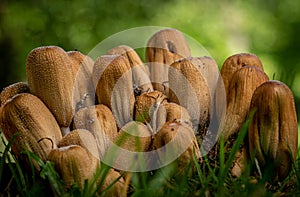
(273, 132)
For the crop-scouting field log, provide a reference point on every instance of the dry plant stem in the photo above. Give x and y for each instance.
(74, 164)
(114, 88)
(10, 91)
(234, 63)
(100, 121)
(163, 48)
(243, 84)
(190, 90)
(273, 132)
(83, 138)
(83, 90)
(51, 78)
(27, 115)
(140, 75)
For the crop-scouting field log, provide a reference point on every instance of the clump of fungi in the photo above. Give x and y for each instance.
(73, 110)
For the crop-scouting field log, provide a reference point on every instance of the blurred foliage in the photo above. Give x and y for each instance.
(268, 28)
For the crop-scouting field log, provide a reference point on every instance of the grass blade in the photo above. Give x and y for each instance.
(235, 149)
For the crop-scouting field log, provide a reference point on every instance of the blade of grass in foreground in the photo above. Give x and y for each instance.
(5, 153)
(14, 167)
(48, 172)
(224, 171)
(18, 176)
(199, 172)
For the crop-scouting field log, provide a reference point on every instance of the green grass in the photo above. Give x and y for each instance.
(206, 180)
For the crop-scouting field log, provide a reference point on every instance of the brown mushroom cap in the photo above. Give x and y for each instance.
(134, 136)
(273, 132)
(50, 77)
(74, 164)
(243, 84)
(190, 90)
(164, 48)
(100, 121)
(37, 128)
(176, 138)
(83, 90)
(118, 188)
(83, 138)
(140, 73)
(114, 88)
(12, 90)
(145, 103)
(234, 63)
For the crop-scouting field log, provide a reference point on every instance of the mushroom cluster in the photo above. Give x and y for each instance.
(77, 112)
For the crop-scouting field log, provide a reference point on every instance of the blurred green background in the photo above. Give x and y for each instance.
(270, 29)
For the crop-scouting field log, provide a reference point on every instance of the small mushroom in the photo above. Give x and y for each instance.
(37, 128)
(118, 188)
(74, 164)
(127, 153)
(140, 75)
(164, 48)
(100, 121)
(83, 138)
(165, 112)
(234, 63)
(134, 136)
(83, 90)
(10, 91)
(51, 78)
(273, 132)
(243, 84)
(147, 102)
(112, 77)
(176, 140)
(189, 89)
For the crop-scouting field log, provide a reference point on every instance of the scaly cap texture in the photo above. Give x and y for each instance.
(164, 48)
(50, 77)
(100, 121)
(83, 90)
(74, 164)
(140, 73)
(190, 90)
(114, 88)
(37, 128)
(12, 90)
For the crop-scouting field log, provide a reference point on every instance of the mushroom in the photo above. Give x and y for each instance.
(242, 85)
(51, 78)
(112, 77)
(273, 131)
(36, 128)
(140, 74)
(234, 63)
(164, 48)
